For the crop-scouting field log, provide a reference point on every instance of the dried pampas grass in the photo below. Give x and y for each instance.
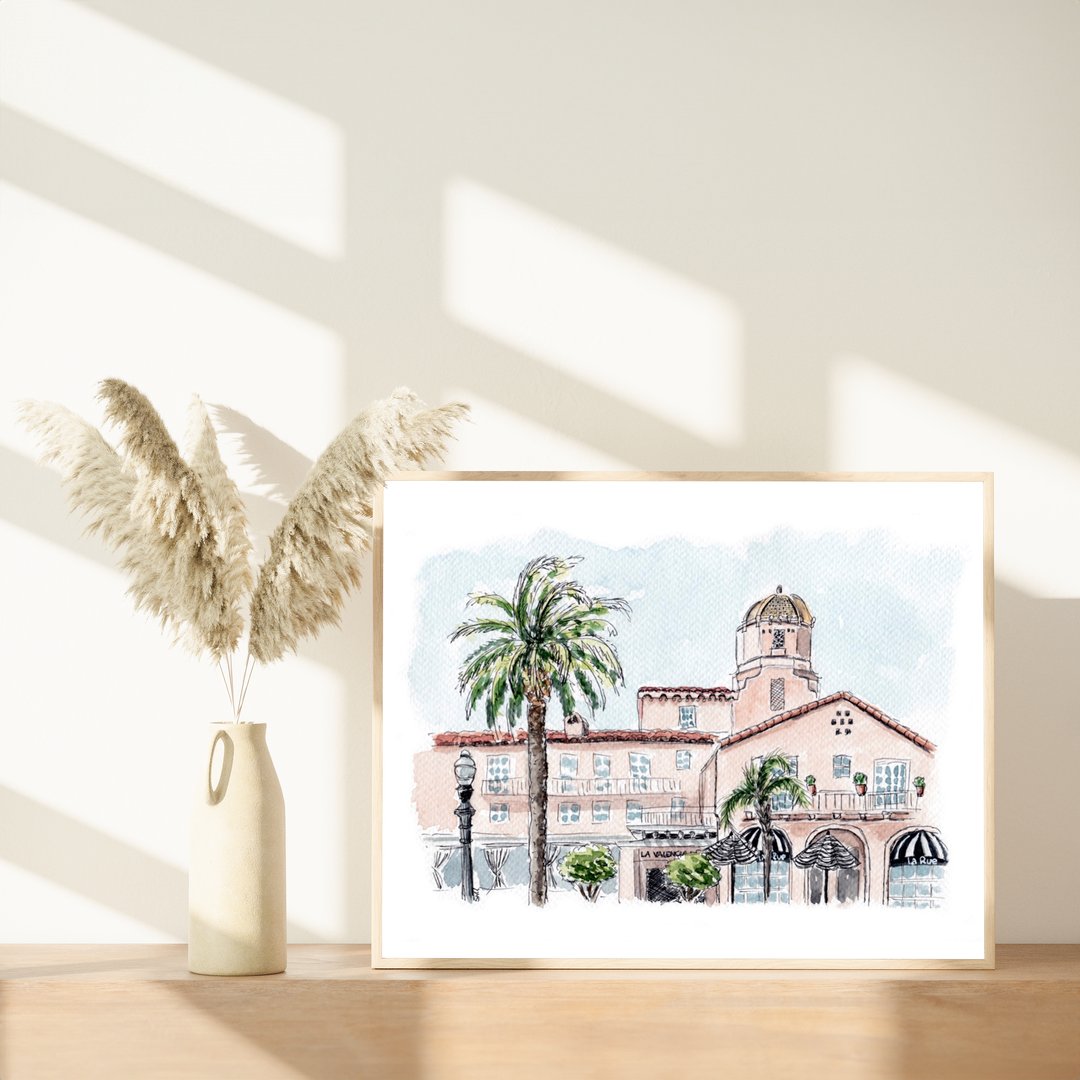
(314, 558)
(179, 527)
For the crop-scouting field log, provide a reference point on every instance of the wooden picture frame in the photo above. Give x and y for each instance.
(880, 849)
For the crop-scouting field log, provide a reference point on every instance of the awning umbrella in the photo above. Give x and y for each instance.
(729, 850)
(919, 848)
(826, 853)
(781, 845)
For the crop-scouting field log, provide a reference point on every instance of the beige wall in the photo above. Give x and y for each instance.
(839, 235)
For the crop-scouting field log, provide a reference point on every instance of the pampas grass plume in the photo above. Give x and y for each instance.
(179, 527)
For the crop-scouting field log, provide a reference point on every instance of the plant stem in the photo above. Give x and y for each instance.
(245, 682)
(228, 689)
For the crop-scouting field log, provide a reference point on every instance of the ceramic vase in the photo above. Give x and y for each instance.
(236, 887)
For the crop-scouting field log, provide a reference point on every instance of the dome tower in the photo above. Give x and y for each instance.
(774, 670)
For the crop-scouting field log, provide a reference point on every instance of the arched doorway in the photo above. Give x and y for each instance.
(916, 872)
(846, 885)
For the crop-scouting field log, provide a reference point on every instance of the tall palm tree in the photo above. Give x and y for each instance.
(551, 636)
(760, 784)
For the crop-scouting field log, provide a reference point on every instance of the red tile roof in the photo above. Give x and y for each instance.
(687, 691)
(840, 695)
(489, 738)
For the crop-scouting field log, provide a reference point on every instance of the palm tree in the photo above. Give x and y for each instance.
(760, 784)
(551, 636)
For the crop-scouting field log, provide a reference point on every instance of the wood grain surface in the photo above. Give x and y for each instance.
(134, 1011)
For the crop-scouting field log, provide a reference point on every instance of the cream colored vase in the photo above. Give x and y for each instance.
(236, 888)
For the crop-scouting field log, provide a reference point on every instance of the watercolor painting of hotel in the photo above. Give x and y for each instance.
(763, 790)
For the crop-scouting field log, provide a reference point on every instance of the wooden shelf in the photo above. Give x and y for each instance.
(129, 1011)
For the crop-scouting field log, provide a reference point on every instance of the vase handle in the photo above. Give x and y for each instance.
(214, 795)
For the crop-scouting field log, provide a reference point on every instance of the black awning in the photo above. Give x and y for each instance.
(919, 848)
(781, 844)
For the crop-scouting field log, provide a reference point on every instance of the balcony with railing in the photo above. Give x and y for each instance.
(649, 816)
(666, 824)
(586, 786)
(846, 804)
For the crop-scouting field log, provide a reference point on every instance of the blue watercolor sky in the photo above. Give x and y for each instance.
(884, 614)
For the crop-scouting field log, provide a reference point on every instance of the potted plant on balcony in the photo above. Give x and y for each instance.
(859, 780)
(588, 868)
(920, 785)
(811, 783)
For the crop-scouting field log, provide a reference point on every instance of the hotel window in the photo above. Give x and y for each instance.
(633, 813)
(498, 773)
(568, 769)
(841, 765)
(601, 767)
(569, 813)
(678, 806)
(776, 695)
(601, 811)
(687, 717)
(682, 759)
(778, 639)
(499, 812)
(640, 771)
(748, 885)
(785, 801)
(916, 886)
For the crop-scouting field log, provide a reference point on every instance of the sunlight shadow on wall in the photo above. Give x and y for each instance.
(200, 129)
(639, 333)
(496, 433)
(77, 857)
(1037, 485)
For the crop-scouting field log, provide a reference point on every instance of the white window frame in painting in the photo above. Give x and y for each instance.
(917, 886)
(498, 771)
(841, 771)
(601, 811)
(569, 813)
(894, 796)
(687, 717)
(498, 813)
(684, 759)
(640, 771)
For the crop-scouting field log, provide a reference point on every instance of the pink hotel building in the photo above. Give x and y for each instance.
(651, 793)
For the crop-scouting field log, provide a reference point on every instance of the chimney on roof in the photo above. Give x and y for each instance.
(576, 726)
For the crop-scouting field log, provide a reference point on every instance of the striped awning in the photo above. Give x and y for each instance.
(781, 844)
(825, 852)
(919, 848)
(731, 849)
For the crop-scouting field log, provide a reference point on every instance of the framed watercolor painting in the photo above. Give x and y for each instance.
(694, 719)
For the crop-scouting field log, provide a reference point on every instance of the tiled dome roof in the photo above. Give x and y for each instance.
(784, 607)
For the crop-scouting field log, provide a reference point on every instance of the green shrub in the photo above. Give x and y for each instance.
(810, 779)
(692, 875)
(588, 868)
(859, 778)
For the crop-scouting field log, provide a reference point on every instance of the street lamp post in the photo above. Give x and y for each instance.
(465, 773)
